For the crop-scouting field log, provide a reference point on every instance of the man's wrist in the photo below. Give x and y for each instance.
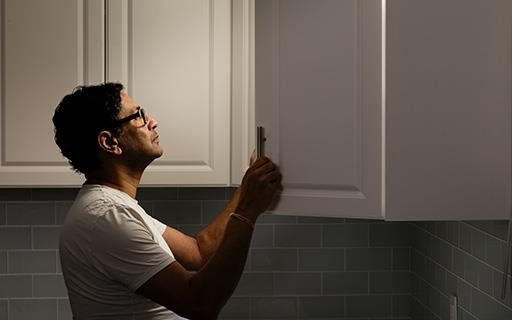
(243, 219)
(247, 212)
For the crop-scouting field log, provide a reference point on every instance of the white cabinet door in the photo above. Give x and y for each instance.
(318, 96)
(243, 131)
(174, 58)
(48, 48)
(394, 109)
(448, 89)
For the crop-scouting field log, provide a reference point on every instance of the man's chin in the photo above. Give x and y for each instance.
(158, 154)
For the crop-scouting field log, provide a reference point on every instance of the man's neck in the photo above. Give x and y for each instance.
(118, 179)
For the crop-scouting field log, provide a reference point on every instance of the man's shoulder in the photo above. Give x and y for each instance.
(94, 215)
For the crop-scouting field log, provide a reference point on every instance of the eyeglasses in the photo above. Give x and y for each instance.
(139, 113)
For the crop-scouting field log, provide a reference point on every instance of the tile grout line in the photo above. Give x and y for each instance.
(426, 307)
(465, 281)
(32, 238)
(55, 212)
(481, 231)
(460, 249)
(459, 233)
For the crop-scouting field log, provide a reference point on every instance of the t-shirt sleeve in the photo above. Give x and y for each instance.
(125, 250)
(159, 225)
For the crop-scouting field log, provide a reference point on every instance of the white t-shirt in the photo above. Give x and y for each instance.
(109, 247)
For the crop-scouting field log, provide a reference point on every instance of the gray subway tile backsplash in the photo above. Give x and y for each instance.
(319, 220)
(458, 262)
(201, 193)
(401, 306)
(3, 262)
(390, 282)
(269, 218)
(15, 237)
(61, 210)
(3, 217)
(442, 253)
(345, 283)
(498, 286)
(321, 259)
(64, 309)
(371, 306)
(389, 234)
(484, 307)
(401, 259)
(369, 259)
(15, 286)
(157, 194)
(346, 235)
(274, 259)
(274, 308)
(46, 237)
(16, 194)
(320, 307)
(255, 284)
(211, 208)
(494, 252)
(49, 285)
(178, 212)
(297, 283)
(33, 261)
(263, 236)
(463, 294)
(237, 308)
(474, 274)
(32, 309)
(497, 228)
(298, 267)
(298, 235)
(54, 194)
(30, 213)
(4, 309)
(448, 231)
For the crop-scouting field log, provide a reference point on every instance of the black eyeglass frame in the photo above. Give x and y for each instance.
(139, 113)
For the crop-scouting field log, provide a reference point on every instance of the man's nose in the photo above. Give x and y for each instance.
(152, 123)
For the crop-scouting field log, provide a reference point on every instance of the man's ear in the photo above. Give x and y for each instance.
(108, 143)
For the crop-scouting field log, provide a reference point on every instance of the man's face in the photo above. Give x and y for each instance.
(139, 141)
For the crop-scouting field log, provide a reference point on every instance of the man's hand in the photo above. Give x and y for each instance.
(253, 158)
(259, 187)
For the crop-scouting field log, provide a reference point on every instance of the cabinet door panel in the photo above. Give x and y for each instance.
(48, 48)
(448, 109)
(318, 96)
(174, 59)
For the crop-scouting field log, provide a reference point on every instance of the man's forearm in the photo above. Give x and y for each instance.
(210, 237)
(218, 278)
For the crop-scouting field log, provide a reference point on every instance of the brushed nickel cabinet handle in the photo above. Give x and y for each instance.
(260, 141)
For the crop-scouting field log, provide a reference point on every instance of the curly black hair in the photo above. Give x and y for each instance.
(80, 117)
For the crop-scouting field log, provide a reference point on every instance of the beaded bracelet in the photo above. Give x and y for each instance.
(243, 219)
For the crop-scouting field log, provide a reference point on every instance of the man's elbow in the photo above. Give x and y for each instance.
(201, 312)
(206, 245)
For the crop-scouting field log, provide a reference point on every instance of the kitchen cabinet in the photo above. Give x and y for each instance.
(172, 56)
(48, 48)
(397, 110)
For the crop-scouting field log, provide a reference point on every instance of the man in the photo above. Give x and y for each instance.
(120, 263)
